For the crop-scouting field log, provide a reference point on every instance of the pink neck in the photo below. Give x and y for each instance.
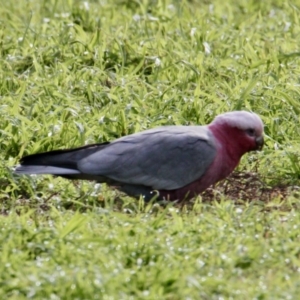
(233, 143)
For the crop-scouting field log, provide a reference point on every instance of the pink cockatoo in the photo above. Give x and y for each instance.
(169, 162)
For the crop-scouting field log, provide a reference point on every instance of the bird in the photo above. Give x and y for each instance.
(174, 162)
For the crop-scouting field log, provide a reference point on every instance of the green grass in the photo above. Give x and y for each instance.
(215, 251)
(78, 72)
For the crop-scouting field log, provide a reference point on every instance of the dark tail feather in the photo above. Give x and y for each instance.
(57, 162)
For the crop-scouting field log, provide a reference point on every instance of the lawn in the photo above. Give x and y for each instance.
(79, 72)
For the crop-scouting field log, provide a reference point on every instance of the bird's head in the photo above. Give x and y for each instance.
(242, 130)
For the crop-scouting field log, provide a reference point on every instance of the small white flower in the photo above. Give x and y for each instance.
(171, 7)
(151, 18)
(65, 15)
(287, 26)
(157, 62)
(207, 49)
(239, 210)
(136, 17)
(193, 31)
(56, 128)
(86, 5)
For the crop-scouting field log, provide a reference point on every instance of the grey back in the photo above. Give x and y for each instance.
(163, 158)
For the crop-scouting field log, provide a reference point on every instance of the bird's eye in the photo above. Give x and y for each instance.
(250, 132)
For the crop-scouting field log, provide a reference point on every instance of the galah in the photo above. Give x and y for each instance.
(169, 162)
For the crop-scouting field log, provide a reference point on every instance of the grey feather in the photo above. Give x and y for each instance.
(44, 170)
(162, 158)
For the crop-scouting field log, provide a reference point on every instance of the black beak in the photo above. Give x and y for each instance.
(259, 142)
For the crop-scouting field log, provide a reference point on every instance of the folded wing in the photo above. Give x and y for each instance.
(164, 158)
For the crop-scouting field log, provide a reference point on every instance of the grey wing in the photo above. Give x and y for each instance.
(167, 158)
